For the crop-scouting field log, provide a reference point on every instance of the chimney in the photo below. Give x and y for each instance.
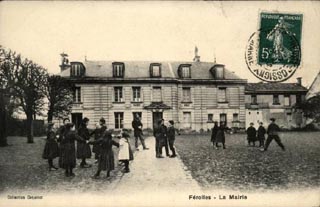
(196, 56)
(299, 81)
(64, 62)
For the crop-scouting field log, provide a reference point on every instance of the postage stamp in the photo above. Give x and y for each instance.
(273, 53)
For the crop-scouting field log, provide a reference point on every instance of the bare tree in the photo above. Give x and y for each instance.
(8, 69)
(59, 94)
(30, 89)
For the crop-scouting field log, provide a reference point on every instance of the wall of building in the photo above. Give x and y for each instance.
(97, 100)
(287, 117)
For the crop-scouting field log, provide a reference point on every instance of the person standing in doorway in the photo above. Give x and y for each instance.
(137, 130)
(171, 138)
(273, 133)
(261, 135)
(83, 148)
(251, 135)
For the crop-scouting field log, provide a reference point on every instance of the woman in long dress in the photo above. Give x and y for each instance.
(106, 158)
(51, 148)
(68, 159)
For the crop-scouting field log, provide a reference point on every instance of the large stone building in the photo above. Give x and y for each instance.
(193, 94)
(277, 100)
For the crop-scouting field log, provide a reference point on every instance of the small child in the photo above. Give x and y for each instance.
(125, 152)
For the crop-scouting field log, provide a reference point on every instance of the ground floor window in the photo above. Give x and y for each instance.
(187, 119)
(235, 117)
(210, 117)
(223, 119)
(118, 120)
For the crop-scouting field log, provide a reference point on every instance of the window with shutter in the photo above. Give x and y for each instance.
(118, 120)
(186, 94)
(222, 95)
(155, 70)
(118, 70)
(136, 93)
(118, 97)
(156, 94)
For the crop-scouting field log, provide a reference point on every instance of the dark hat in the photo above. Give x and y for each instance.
(102, 120)
(272, 119)
(171, 122)
(85, 119)
(125, 134)
(251, 123)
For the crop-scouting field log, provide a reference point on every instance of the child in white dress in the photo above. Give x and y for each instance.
(125, 152)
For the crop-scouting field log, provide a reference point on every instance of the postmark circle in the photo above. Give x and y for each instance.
(275, 61)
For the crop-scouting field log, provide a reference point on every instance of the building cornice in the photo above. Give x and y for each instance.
(95, 80)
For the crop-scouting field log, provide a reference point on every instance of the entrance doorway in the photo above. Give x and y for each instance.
(156, 116)
(76, 119)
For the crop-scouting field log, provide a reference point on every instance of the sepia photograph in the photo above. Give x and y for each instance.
(160, 103)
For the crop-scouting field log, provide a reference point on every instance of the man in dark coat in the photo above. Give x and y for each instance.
(171, 134)
(214, 132)
(61, 133)
(221, 136)
(273, 133)
(261, 134)
(83, 149)
(161, 139)
(251, 135)
(137, 130)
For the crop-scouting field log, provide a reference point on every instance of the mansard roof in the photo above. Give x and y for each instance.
(140, 69)
(275, 88)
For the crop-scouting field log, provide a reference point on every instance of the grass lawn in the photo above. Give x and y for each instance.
(22, 169)
(246, 168)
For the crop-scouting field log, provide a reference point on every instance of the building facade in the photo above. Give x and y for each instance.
(275, 100)
(193, 94)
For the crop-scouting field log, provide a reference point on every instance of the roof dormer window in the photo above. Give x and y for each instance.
(184, 71)
(155, 70)
(118, 70)
(76, 70)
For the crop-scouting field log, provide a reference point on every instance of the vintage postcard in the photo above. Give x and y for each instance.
(159, 103)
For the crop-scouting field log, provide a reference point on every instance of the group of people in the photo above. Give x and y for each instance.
(272, 131)
(253, 135)
(218, 136)
(165, 137)
(64, 147)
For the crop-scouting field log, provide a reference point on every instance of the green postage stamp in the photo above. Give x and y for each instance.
(273, 52)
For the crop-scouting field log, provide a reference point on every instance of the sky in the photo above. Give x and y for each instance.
(153, 31)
